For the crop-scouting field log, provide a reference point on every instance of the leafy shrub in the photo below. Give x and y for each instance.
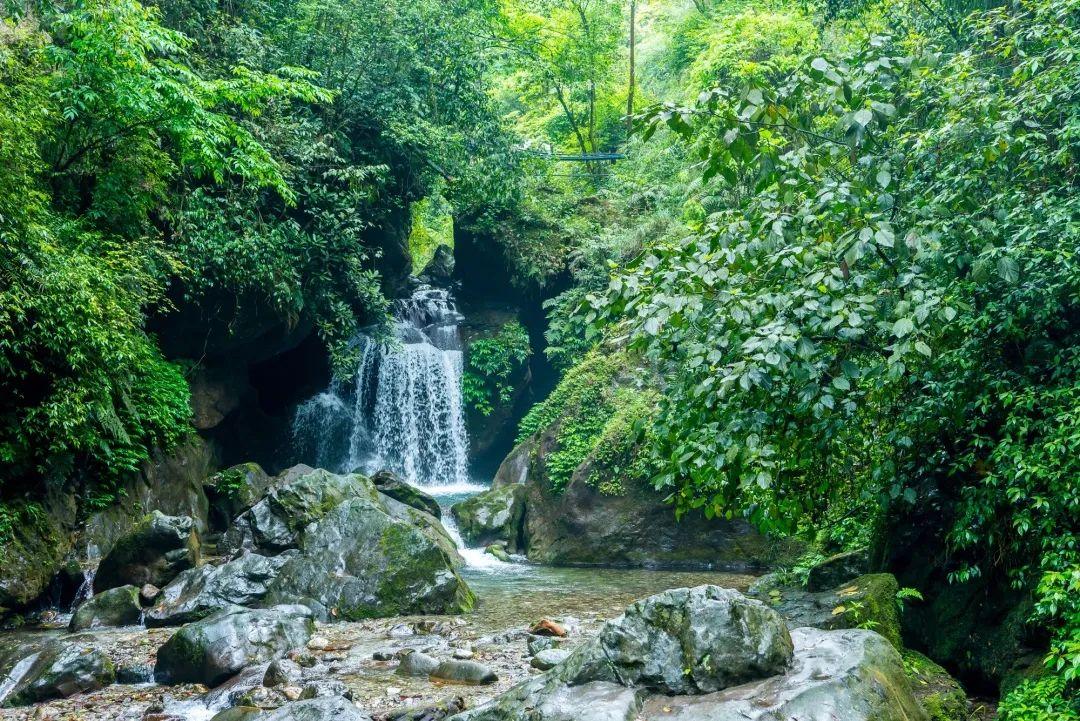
(489, 365)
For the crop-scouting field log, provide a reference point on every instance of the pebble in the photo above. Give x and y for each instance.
(463, 654)
(393, 691)
(549, 658)
(318, 643)
(291, 692)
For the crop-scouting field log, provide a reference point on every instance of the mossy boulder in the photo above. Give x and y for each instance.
(848, 675)
(490, 516)
(233, 491)
(115, 607)
(868, 601)
(36, 668)
(333, 543)
(382, 566)
(389, 484)
(274, 524)
(157, 549)
(217, 647)
(34, 551)
(940, 695)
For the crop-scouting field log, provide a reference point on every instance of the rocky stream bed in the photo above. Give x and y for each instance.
(347, 598)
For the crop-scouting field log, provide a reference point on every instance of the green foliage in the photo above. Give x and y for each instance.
(490, 364)
(230, 483)
(432, 226)
(905, 594)
(1045, 699)
(597, 417)
(886, 298)
(104, 114)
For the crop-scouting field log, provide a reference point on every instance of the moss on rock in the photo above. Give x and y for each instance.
(939, 693)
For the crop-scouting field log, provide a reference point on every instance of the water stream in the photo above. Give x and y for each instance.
(403, 409)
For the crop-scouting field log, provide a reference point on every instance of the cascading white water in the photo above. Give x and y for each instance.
(403, 409)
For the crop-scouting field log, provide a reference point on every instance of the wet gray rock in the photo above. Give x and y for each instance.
(325, 688)
(854, 675)
(135, 673)
(198, 592)
(426, 712)
(148, 593)
(393, 486)
(213, 649)
(683, 641)
(320, 709)
(469, 672)
(36, 668)
(838, 569)
(274, 524)
(116, 607)
(439, 271)
(595, 701)
(869, 598)
(490, 516)
(233, 491)
(382, 566)
(417, 664)
(282, 672)
(536, 644)
(549, 658)
(157, 549)
(687, 640)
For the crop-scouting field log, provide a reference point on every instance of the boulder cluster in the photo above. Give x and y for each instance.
(303, 546)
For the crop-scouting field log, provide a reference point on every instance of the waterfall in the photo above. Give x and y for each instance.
(403, 408)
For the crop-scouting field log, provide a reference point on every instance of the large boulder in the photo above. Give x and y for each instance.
(940, 695)
(116, 607)
(494, 515)
(389, 484)
(33, 552)
(319, 709)
(683, 641)
(217, 647)
(359, 561)
(582, 525)
(157, 549)
(198, 592)
(333, 543)
(37, 668)
(171, 482)
(233, 491)
(864, 602)
(854, 675)
(275, 523)
(687, 640)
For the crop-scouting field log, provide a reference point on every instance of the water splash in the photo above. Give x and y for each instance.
(403, 410)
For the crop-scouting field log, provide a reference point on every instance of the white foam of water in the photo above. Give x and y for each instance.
(452, 489)
(475, 558)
